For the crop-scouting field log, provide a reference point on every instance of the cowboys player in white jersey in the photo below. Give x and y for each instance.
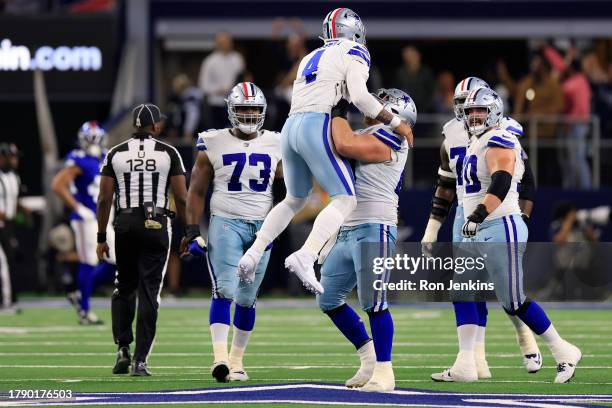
(492, 169)
(242, 162)
(472, 316)
(340, 68)
(368, 232)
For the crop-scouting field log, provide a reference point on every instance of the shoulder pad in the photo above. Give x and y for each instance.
(452, 126)
(386, 135)
(204, 137)
(498, 137)
(358, 52)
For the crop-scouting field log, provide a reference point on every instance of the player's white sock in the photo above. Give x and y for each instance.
(239, 343)
(480, 334)
(550, 336)
(328, 222)
(480, 358)
(367, 357)
(467, 337)
(383, 378)
(524, 336)
(219, 333)
(276, 221)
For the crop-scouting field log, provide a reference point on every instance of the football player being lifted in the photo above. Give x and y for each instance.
(339, 68)
(241, 163)
(492, 170)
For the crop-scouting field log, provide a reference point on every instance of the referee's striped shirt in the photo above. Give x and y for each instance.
(142, 167)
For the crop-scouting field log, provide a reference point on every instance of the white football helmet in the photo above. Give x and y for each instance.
(476, 124)
(398, 103)
(246, 94)
(92, 138)
(343, 23)
(512, 126)
(462, 90)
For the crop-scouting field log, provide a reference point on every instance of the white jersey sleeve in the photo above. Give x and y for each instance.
(322, 78)
(244, 171)
(377, 184)
(456, 141)
(477, 177)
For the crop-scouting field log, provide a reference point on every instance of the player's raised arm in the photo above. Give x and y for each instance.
(201, 175)
(368, 104)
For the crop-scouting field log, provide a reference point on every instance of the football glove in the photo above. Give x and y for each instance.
(470, 227)
(196, 244)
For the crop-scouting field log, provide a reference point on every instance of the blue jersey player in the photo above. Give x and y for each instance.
(339, 68)
(77, 185)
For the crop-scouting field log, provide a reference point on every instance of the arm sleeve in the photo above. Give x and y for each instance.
(527, 186)
(176, 163)
(356, 78)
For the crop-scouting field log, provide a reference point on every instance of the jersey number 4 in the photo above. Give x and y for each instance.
(254, 160)
(310, 70)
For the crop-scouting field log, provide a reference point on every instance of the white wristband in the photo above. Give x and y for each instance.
(395, 122)
(431, 232)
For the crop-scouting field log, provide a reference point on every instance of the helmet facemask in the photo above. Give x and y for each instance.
(248, 118)
(476, 119)
(92, 143)
(458, 106)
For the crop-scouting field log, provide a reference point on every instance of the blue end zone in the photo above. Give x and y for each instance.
(316, 393)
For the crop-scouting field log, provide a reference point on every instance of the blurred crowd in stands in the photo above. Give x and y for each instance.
(562, 85)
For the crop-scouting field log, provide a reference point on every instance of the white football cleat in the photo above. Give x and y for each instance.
(238, 374)
(567, 356)
(532, 362)
(367, 355)
(383, 379)
(482, 366)
(464, 370)
(302, 265)
(248, 265)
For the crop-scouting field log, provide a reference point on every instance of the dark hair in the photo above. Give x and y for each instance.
(576, 65)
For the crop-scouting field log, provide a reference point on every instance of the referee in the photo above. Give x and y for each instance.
(139, 171)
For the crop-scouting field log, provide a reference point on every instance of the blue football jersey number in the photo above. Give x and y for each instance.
(310, 70)
(470, 167)
(255, 159)
(459, 153)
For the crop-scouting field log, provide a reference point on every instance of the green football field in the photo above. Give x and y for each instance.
(46, 349)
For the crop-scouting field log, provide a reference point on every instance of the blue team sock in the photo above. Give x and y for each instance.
(381, 324)
(244, 317)
(104, 273)
(350, 324)
(466, 313)
(481, 309)
(85, 281)
(220, 311)
(534, 316)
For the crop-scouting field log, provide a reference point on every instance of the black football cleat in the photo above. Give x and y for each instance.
(139, 369)
(122, 365)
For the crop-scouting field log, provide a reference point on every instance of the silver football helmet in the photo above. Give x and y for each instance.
(398, 103)
(343, 23)
(92, 138)
(246, 95)
(462, 90)
(512, 126)
(477, 123)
